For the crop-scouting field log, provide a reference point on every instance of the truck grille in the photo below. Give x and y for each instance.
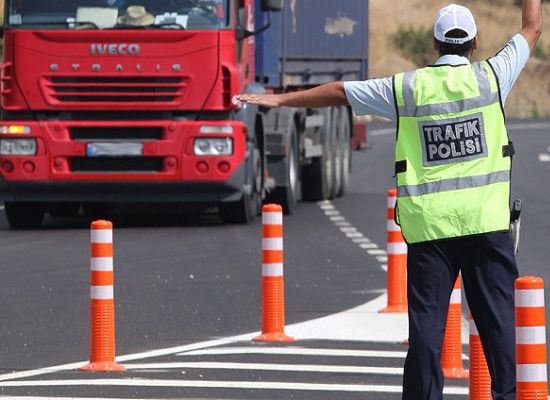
(116, 164)
(115, 89)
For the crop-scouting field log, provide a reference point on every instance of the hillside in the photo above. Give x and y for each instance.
(497, 21)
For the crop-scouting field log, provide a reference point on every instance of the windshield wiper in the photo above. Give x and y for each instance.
(67, 23)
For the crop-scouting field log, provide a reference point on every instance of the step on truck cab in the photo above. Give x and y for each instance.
(131, 101)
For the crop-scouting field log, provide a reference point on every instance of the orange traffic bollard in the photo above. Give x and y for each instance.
(273, 303)
(102, 311)
(397, 262)
(480, 380)
(451, 356)
(531, 376)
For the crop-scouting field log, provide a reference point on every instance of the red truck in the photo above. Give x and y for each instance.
(117, 102)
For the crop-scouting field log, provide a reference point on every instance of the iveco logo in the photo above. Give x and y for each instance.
(114, 49)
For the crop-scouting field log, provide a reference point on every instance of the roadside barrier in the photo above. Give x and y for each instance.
(532, 382)
(451, 356)
(480, 380)
(397, 261)
(273, 304)
(102, 312)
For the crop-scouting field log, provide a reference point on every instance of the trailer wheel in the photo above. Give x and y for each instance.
(344, 144)
(337, 151)
(244, 210)
(287, 196)
(318, 176)
(24, 215)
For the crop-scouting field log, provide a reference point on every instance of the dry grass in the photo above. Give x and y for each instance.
(497, 21)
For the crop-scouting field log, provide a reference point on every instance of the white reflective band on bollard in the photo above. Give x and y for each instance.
(397, 248)
(272, 269)
(392, 226)
(473, 328)
(102, 293)
(272, 243)
(456, 297)
(102, 236)
(531, 335)
(391, 201)
(101, 263)
(530, 298)
(531, 373)
(272, 218)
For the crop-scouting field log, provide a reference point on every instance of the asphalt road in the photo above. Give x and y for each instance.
(187, 282)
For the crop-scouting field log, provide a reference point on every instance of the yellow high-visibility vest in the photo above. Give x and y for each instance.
(453, 155)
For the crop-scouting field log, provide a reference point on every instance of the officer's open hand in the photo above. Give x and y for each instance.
(262, 100)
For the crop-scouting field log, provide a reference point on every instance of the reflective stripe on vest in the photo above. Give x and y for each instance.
(450, 145)
(466, 182)
(412, 110)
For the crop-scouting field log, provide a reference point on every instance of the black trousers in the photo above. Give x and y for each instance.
(488, 268)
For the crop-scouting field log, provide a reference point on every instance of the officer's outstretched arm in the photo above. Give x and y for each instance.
(532, 21)
(327, 95)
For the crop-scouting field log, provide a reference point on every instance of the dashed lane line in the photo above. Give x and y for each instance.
(351, 232)
(366, 244)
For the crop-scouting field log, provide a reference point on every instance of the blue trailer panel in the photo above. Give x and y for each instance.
(312, 42)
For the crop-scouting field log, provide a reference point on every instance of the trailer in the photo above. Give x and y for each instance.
(132, 102)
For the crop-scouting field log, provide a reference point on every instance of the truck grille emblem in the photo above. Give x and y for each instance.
(114, 49)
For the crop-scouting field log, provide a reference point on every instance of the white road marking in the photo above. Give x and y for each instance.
(342, 223)
(331, 213)
(129, 357)
(354, 235)
(335, 369)
(136, 382)
(380, 132)
(376, 252)
(296, 351)
(529, 125)
(368, 245)
(544, 157)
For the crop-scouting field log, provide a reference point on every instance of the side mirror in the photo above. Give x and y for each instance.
(272, 5)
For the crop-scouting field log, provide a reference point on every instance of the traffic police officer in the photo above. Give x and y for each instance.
(453, 161)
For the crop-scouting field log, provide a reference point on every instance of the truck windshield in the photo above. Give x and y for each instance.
(118, 14)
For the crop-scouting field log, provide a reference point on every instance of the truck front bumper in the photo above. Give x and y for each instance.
(145, 161)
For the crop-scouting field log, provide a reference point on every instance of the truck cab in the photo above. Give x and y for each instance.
(131, 101)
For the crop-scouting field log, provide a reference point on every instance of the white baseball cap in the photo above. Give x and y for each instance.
(453, 17)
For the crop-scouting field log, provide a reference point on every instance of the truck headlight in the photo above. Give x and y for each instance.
(17, 147)
(213, 147)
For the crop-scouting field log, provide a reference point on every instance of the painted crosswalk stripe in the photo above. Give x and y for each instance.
(334, 369)
(296, 351)
(170, 383)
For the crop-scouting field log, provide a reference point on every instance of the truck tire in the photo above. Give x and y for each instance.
(63, 210)
(288, 195)
(344, 144)
(24, 215)
(245, 210)
(336, 145)
(318, 177)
